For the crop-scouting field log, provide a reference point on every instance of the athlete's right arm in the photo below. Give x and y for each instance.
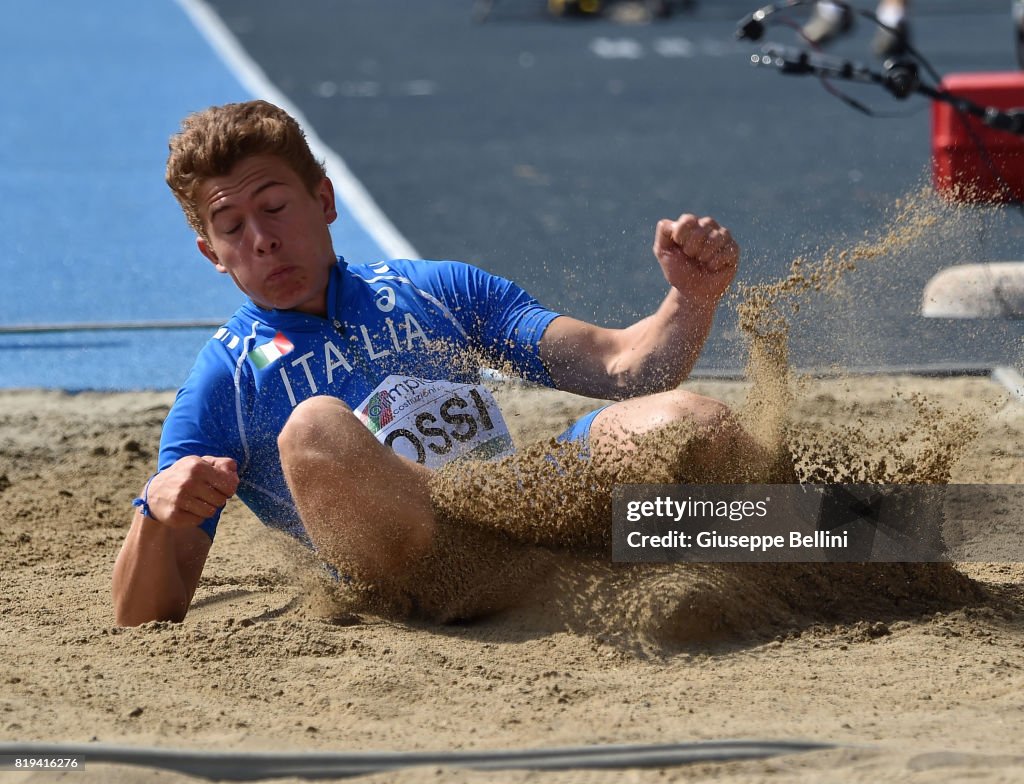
(158, 568)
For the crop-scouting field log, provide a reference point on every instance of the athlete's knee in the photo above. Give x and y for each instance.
(704, 413)
(316, 425)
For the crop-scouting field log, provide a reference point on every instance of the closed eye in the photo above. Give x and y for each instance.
(275, 210)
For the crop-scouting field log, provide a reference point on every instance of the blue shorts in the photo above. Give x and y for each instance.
(579, 431)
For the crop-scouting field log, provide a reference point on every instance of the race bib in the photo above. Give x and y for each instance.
(435, 422)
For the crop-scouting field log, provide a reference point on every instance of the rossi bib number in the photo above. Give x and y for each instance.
(435, 422)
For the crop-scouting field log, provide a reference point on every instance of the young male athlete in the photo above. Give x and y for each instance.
(326, 400)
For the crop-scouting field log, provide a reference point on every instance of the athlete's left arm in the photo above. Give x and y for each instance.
(698, 258)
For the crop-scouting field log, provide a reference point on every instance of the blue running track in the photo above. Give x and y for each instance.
(89, 232)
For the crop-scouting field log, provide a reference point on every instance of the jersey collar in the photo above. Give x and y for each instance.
(293, 319)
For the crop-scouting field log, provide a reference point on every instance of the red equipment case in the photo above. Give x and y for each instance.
(960, 170)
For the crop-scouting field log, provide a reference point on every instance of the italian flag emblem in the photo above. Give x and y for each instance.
(261, 356)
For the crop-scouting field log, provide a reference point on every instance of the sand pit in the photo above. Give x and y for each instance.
(910, 662)
(915, 670)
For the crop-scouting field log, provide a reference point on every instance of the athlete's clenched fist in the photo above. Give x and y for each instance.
(697, 256)
(191, 490)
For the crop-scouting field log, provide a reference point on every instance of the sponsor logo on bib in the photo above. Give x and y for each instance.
(435, 422)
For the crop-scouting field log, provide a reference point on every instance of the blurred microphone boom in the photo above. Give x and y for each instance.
(751, 28)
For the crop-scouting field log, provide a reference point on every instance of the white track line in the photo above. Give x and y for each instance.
(347, 187)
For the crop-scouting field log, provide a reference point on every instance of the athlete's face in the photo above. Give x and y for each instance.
(269, 233)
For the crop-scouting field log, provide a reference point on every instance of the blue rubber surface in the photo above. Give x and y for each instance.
(89, 232)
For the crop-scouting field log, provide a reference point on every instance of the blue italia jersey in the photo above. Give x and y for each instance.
(420, 319)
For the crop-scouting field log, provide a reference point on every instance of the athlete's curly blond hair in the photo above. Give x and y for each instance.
(211, 142)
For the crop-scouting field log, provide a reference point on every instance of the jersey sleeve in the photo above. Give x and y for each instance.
(202, 419)
(502, 319)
